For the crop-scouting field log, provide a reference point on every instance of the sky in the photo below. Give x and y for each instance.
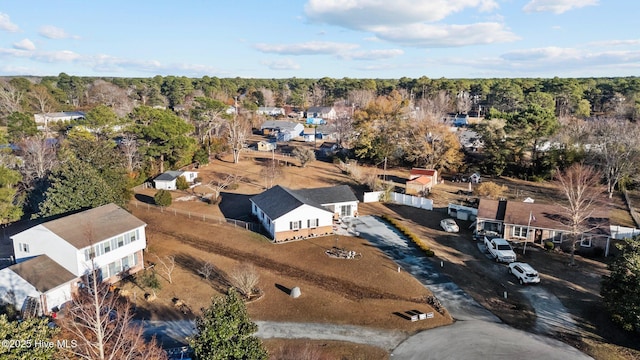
(321, 38)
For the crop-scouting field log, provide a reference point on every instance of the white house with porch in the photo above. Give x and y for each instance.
(52, 257)
(298, 214)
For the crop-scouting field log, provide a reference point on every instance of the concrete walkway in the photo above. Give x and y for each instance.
(176, 332)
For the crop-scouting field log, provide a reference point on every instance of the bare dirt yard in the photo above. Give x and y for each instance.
(360, 292)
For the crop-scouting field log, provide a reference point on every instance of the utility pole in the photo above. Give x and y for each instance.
(384, 176)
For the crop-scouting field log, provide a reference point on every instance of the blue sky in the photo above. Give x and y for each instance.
(318, 38)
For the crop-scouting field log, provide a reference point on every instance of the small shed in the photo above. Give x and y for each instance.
(418, 186)
(475, 178)
(267, 145)
(167, 180)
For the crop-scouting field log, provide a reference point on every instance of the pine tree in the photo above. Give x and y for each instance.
(224, 331)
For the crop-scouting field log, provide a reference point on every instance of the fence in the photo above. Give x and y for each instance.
(198, 216)
(373, 196)
(404, 199)
(410, 200)
(634, 214)
(622, 232)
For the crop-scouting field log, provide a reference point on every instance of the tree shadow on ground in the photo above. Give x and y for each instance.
(216, 277)
(145, 199)
(235, 206)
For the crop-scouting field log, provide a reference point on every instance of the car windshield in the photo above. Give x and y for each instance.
(532, 275)
(504, 247)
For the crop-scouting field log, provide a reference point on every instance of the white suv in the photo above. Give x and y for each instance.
(524, 272)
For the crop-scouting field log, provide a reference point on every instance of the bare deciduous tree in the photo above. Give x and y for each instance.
(10, 98)
(463, 102)
(129, 148)
(304, 154)
(219, 185)
(39, 158)
(167, 265)
(245, 278)
(581, 189)
(238, 130)
(206, 270)
(615, 150)
(111, 95)
(270, 171)
(98, 325)
(41, 99)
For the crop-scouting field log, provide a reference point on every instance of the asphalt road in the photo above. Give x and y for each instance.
(477, 333)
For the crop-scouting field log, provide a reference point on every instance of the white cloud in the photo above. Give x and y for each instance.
(53, 32)
(284, 64)
(308, 48)
(423, 35)
(413, 22)
(6, 24)
(362, 14)
(24, 44)
(557, 6)
(372, 54)
(56, 56)
(610, 43)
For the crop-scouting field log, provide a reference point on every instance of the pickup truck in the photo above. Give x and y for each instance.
(500, 250)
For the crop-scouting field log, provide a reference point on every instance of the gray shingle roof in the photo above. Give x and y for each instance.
(279, 200)
(94, 225)
(43, 273)
(279, 124)
(169, 175)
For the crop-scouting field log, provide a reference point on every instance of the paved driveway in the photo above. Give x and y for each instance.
(477, 333)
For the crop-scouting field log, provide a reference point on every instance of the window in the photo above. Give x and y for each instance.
(519, 231)
(295, 225)
(345, 210)
(585, 241)
(107, 246)
(556, 236)
(120, 241)
(24, 247)
(311, 223)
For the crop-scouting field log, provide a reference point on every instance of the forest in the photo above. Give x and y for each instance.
(135, 128)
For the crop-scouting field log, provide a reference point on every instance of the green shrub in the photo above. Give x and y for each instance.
(162, 198)
(410, 235)
(549, 245)
(150, 280)
(181, 183)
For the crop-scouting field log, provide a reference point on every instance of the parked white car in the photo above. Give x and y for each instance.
(449, 225)
(524, 273)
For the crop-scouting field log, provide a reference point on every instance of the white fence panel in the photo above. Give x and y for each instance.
(623, 232)
(374, 196)
(414, 201)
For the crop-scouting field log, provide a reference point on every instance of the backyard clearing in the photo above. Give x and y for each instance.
(366, 292)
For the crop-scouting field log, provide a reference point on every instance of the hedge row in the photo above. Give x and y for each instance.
(406, 232)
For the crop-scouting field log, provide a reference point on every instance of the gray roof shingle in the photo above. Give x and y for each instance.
(94, 225)
(279, 200)
(43, 273)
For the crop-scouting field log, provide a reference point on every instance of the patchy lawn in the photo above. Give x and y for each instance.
(368, 291)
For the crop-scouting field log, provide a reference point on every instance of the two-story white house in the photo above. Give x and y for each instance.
(52, 257)
(297, 214)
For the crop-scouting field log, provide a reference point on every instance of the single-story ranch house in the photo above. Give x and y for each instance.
(167, 180)
(297, 214)
(53, 257)
(524, 221)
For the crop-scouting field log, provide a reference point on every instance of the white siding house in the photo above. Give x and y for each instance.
(297, 214)
(167, 180)
(107, 238)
